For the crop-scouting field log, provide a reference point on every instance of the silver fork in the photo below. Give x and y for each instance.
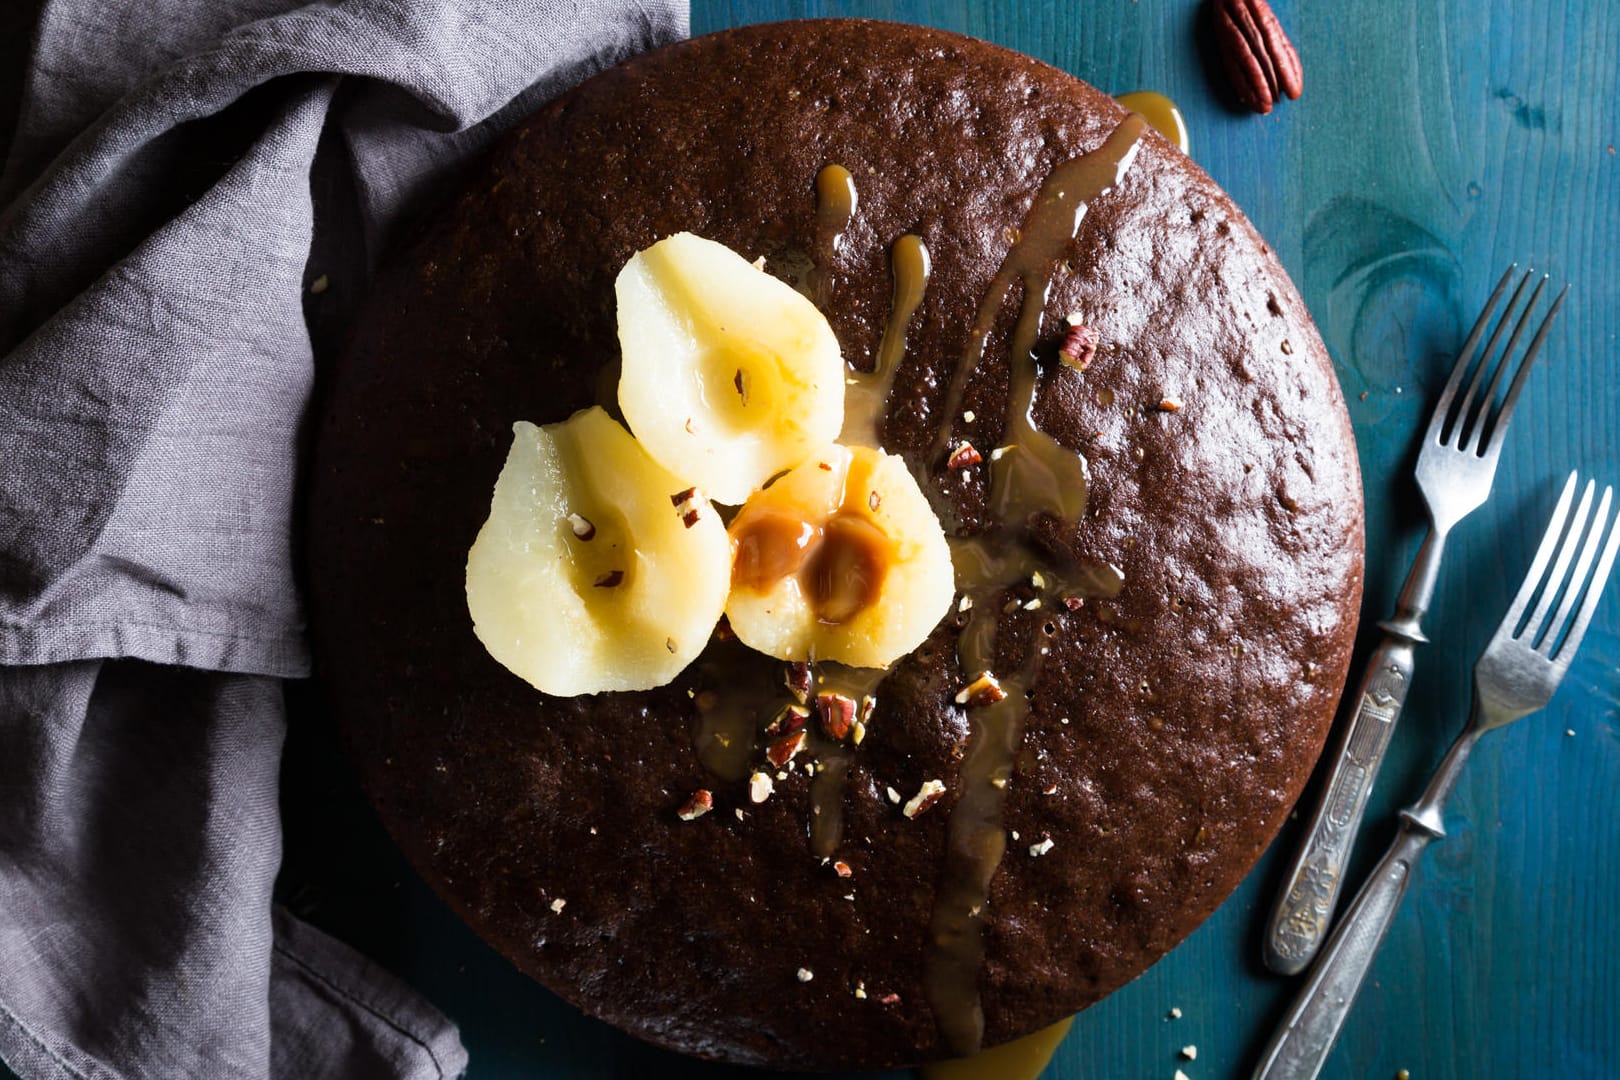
(1454, 471)
(1515, 676)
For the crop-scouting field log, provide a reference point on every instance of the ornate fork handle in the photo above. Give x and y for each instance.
(1305, 907)
(1301, 1044)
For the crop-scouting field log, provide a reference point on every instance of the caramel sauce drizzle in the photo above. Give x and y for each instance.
(836, 201)
(1021, 1059)
(1040, 474)
(1032, 473)
(833, 759)
(735, 697)
(827, 800)
(1159, 111)
(866, 394)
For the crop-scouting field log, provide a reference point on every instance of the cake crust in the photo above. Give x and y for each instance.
(1172, 727)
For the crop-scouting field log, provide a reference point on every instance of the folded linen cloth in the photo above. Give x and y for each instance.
(156, 223)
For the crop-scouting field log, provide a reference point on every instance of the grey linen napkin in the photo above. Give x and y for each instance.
(156, 219)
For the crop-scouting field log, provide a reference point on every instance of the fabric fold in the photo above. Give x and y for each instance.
(156, 229)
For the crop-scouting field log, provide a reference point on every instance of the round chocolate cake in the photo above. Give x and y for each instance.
(1169, 611)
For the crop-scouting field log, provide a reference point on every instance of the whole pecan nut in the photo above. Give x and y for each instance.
(1259, 58)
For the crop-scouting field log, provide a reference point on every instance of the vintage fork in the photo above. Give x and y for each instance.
(1454, 471)
(1515, 676)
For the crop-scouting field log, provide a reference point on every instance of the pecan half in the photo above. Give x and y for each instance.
(1259, 59)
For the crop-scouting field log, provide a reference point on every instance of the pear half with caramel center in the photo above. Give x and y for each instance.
(840, 559)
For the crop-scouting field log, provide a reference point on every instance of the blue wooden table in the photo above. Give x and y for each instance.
(1435, 143)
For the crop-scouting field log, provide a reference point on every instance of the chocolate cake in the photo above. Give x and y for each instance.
(1171, 640)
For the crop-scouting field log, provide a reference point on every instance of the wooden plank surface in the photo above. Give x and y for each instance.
(1435, 143)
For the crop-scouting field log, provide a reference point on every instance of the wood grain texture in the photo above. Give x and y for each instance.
(1435, 143)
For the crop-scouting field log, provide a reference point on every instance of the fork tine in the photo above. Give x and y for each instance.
(1494, 445)
(1460, 424)
(1555, 577)
(1572, 593)
(1532, 577)
(1594, 592)
(1465, 355)
(1474, 437)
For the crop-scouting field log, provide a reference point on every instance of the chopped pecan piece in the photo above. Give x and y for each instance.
(927, 795)
(798, 679)
(686, 504)
(1079, 346)
(780, 752)
(790, 719)
(701, 802)
(984, 690)
(837, 714)
(963, 456)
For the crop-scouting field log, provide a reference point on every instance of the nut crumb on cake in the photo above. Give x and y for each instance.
(927, 795)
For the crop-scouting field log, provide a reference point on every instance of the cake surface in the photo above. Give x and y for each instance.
(1173, 716)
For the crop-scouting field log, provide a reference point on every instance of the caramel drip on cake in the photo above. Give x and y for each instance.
(737, 694)
(834, 758)
(866, 395)
(827, 801)
(1021, 1059)
(1004, 573)
(1041, 474)
(835, 208)
(1159, 111)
